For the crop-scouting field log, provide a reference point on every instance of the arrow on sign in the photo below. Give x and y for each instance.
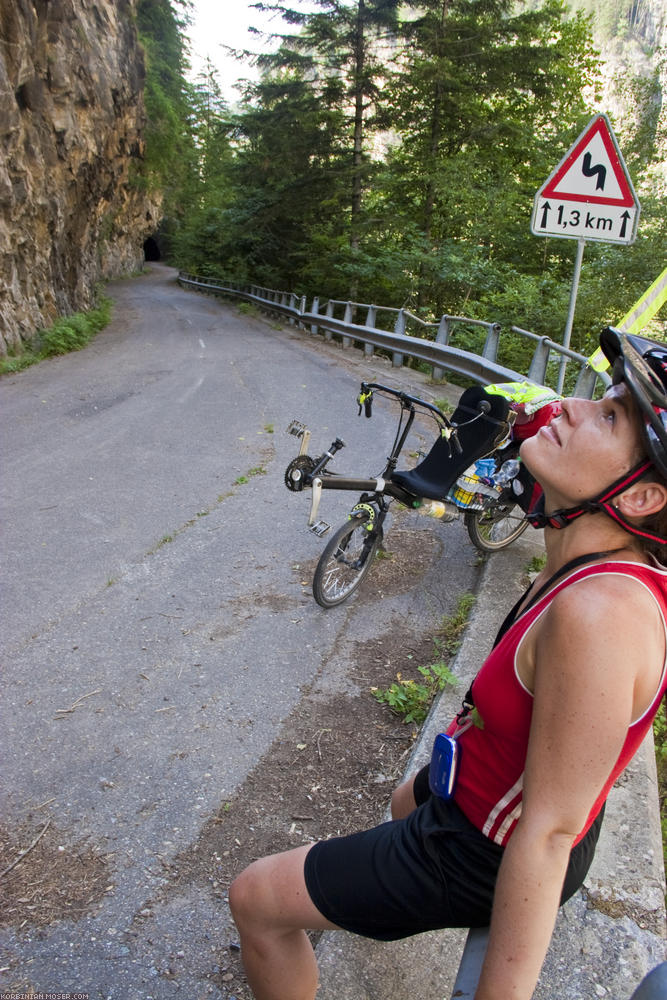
(624, 224)
(545, 214)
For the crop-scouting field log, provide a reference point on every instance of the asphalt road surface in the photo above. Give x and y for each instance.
(156, 625)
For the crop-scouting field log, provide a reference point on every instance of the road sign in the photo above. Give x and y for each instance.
(589, 195)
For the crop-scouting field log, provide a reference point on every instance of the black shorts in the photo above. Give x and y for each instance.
(432, 869)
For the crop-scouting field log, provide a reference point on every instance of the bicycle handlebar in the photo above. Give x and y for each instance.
(366, 398)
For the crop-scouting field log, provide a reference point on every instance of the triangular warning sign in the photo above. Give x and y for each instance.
(593, 171)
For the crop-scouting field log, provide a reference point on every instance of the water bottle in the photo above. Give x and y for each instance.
(507, 471)
(432, 508)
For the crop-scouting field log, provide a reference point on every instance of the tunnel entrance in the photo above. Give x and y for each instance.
(151, 249)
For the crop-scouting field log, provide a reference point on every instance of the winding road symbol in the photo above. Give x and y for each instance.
(589, 171)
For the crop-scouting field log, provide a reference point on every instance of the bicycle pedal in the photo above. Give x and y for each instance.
(296, 428)
(319, 528)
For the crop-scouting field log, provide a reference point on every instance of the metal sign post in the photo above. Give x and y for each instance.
(589, 196)
(570, 315)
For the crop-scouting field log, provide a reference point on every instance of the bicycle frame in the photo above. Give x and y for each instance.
(320, 479)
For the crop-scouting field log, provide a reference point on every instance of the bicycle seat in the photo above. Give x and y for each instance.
(433, 477)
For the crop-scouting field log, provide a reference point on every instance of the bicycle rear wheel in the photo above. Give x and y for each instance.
(495, 527)
(345, 561)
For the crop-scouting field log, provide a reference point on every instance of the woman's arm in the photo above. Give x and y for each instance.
(589, 679)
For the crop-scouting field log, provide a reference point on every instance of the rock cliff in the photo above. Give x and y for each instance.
(72, 208)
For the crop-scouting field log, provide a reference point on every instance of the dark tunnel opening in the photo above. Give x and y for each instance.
(151, 249)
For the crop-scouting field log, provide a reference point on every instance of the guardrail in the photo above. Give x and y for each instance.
(434, 349)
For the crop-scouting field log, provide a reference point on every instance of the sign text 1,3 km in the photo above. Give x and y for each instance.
(589, 195)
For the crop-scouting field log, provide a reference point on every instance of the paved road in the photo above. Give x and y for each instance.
(156, 631)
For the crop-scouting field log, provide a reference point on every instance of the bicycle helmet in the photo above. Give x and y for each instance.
(642, 366)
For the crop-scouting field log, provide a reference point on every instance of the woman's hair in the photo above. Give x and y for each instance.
(655, 523)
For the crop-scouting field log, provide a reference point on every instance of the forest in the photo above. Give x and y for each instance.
(390, 154)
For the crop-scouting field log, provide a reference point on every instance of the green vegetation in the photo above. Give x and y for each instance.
(69, 333)
(390, 153)
(412, 698)
(660, 739)
(258, 470)
(537, 564)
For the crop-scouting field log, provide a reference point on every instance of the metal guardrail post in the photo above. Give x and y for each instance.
(347, 319)
(490, 349)
(441, 337)
(371, 319)
(330, 311)
(314, 329)
(399, 327)
(538, 366)
(585, 384)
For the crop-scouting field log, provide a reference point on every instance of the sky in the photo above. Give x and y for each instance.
(225, 22)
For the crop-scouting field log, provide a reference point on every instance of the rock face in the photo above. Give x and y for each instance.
(72, 208)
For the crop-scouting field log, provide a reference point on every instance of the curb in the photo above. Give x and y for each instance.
(607, 937)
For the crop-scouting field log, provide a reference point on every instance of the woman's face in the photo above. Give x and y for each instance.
(586, 448)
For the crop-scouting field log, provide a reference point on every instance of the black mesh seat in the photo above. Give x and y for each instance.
(443, 465)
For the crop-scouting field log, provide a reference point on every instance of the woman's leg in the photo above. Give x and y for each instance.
(403, 799)
(271, 907)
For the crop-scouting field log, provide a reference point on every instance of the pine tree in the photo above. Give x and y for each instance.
(337, 52)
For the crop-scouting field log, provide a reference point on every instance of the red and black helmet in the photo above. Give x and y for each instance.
(642, 366)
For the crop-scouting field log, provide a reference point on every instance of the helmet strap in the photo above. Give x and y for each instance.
(565, 515)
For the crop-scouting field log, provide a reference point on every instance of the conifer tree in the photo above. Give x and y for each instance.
(338, 51)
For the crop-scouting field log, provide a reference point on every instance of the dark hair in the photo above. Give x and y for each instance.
(655, 523)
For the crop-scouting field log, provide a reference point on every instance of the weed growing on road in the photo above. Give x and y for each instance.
(445, 406)
(69, 333)
(412, 698)
(536, 564)
(259, 470)
(247, 309)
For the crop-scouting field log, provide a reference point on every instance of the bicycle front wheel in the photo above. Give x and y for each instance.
(495, 527)
(345, 561)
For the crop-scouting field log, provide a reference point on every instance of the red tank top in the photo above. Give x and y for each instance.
(489, 786)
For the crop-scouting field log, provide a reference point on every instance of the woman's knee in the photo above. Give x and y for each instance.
(403, 800)
(246, 894)
(271, 892)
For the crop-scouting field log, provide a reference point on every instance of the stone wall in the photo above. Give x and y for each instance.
(71, 123)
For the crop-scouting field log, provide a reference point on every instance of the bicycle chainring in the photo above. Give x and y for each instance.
(296, 471)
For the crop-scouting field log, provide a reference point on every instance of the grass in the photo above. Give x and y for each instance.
(660, 740)
(257, 471)
(247, 308)
(445, 406)
(412, 697)
(69, 333)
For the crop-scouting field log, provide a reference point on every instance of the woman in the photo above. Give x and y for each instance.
(555, 714)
